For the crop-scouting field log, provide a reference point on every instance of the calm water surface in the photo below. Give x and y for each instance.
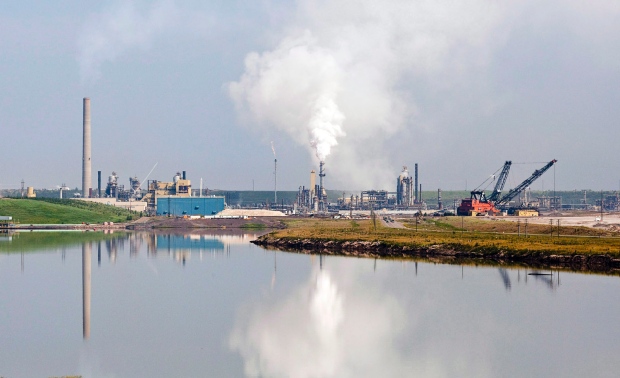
(195, 305)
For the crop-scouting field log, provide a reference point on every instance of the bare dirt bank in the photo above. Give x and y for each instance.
(445, 254)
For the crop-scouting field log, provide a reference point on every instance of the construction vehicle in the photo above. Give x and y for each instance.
(478, 203)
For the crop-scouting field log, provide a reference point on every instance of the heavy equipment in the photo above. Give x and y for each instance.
(478, 203)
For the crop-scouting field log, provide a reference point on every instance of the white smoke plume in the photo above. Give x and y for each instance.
(341, 80)
(295, 87)
(108, 35)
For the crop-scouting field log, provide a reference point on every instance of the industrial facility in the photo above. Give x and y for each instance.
(314, 199)
(178, 198)
(162, 198)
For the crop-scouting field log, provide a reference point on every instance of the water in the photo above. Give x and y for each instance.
(215, 305)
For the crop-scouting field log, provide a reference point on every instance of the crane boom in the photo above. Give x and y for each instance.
(499, 185)
(514, 192)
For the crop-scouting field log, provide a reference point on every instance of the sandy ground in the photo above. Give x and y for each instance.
(610, 221)
(394, 224)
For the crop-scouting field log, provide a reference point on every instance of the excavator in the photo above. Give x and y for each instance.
(479, 203)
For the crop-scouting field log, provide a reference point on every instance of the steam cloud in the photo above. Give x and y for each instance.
(295, 86)
(335, 81)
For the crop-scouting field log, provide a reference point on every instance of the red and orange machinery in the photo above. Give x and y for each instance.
(478, 203)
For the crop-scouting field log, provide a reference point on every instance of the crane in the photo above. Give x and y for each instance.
(501, 180)
(502, 202)
(478, 202)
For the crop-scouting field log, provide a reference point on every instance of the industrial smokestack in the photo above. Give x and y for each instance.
(322, 192)
(184, 175)
(312, 182)
(417, 199)
(321, 175)
(99, 184)
(439, 202)
(86, 163)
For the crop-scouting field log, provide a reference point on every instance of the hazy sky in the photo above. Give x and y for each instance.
(456, 86)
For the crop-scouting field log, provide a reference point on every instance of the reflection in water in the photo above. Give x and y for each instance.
(275, 270)
(505, 277)
(338, 317)
(339, 324)
(181, 246)
(86, 270)
(113, 245)
(318, 331)
(545, 277)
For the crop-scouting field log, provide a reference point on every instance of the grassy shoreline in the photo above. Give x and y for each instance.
(583, 248)
(39, 211)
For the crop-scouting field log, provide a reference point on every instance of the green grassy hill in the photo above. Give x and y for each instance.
(62, 211)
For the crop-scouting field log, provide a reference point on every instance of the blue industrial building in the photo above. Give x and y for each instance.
(180, 206)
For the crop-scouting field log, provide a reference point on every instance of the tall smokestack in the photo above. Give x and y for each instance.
(312, 180)
(439, 202)
(321, 194)
(417, 199)
(321, 175)
(99, 184)
(86, 171)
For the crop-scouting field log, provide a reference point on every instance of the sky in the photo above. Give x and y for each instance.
(368, 87)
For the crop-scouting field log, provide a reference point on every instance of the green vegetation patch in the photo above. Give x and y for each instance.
(430, 233)
(62, 211)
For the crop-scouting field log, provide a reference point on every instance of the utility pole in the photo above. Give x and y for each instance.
(526, 228)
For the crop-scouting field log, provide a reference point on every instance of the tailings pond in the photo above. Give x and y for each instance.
(212, 304)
